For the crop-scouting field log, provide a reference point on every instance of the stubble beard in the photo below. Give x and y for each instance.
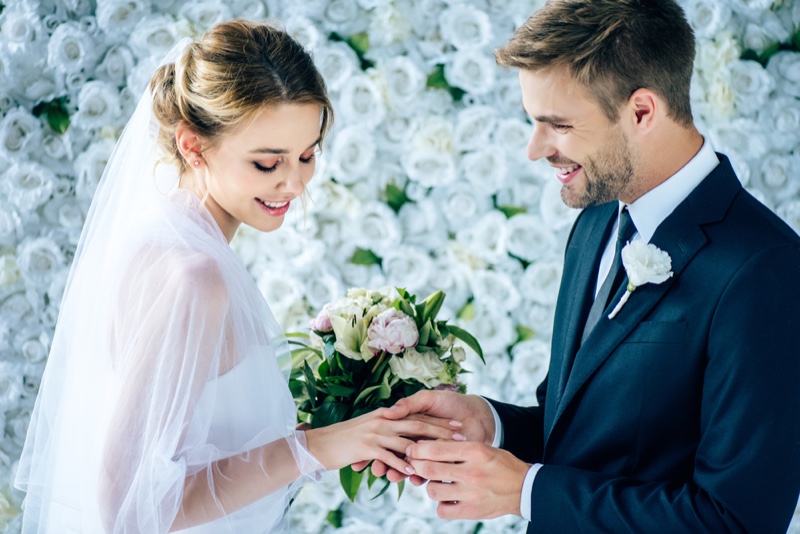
(609, 174)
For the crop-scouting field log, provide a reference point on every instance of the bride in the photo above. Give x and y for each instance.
(163, 406)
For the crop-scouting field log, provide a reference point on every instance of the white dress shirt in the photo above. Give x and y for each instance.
(647, 212)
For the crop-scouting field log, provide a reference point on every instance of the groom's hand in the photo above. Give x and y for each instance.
(471, 416)
(470, 480)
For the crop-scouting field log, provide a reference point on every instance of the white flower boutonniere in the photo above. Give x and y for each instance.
(644, 264)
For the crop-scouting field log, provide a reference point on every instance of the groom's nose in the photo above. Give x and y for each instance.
(540, 145)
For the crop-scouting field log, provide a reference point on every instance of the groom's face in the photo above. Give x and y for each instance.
(590, 155)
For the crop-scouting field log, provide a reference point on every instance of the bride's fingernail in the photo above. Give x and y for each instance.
(459, 437)
(457, 424)
(409, 470)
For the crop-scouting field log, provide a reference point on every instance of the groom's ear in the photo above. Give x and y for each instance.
(190, 144)
(644, 110)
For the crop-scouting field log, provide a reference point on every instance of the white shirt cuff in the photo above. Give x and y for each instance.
(527, 489)
(498, 427)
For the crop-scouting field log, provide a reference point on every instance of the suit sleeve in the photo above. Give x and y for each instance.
(523, 427)
(746, 475)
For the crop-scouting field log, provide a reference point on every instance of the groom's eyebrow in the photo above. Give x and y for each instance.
(281, 150)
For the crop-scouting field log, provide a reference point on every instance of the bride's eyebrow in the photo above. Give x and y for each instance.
(281, 150)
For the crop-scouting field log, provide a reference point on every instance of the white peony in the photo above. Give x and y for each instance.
(424, 367)
(465, 26)
(471, 71)
(392, 331)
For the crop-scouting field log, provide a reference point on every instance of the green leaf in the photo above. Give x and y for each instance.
(340, 391)
(478, 528)
(323, 368)
(405, 307)
(298, 389)
(400, 487)
(405, 295)
(329, 413)
(350, 481)
(385, 391)
(510, 211)
(432, 306)
(363, 394)
(385, 487)
(335, 517)
(370, 478)
(796, 41)
(524, 333)
(396, 197)
(311, 382)
(425, 333)
(467, 312)
(437, 80)
(359, 42)
(365, 257)
(467, 338)
(330, 350)
(301, 335)
(55, 113)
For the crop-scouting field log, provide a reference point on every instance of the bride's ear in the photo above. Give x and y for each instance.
(190, 145)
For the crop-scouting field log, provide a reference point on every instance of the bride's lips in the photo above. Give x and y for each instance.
(275, 209)
(566, 174)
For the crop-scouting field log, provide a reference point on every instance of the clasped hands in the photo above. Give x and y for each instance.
(468, 477)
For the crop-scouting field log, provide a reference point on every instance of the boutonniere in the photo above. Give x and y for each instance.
(644, 264)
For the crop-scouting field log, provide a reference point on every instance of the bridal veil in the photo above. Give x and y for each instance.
(163, 378)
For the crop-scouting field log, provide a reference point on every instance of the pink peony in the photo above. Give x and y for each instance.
(322, 322)
(392, 331)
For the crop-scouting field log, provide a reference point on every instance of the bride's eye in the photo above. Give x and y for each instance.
(265, 169)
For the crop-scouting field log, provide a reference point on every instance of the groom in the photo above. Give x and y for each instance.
(682, 413)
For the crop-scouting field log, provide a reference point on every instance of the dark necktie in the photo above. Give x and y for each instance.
(615, 274)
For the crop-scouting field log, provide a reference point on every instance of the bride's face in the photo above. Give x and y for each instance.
(259, 169)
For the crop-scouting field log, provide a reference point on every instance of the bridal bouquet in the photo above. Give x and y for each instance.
(368, 350)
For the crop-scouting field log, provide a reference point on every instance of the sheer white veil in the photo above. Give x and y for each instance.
(162, 375)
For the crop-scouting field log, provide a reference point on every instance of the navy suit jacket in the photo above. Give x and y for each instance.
(681, 414)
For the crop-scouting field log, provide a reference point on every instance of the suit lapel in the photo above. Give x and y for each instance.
(681, 236)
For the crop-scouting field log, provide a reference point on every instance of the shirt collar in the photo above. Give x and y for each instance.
(650, 210)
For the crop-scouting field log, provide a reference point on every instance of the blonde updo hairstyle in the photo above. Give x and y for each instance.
(234, 71)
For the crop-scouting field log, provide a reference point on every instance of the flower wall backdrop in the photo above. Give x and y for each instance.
(424, 182)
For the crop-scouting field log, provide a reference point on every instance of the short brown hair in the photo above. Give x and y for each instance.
(235, 70)
(613, 48)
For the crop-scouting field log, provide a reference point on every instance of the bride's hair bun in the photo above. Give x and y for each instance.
(235, 70)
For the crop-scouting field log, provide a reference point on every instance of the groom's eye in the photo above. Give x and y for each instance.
(561, 127)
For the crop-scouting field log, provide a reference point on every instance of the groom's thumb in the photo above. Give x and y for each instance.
(398, 411)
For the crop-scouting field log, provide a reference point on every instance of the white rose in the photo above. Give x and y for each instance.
(713, 54)
(32, 344)
(18, 308)
(154, 36)
(555, 213)
(18, 426)
(767, 32)
(740, 136)
(789, 211)
(248, 9)
(9, 272)
(10, 224)
(465, 26)
(529, 363)
(20, 134)
(538, 317)
(376, 227)
(353, 153)
(332, 198)
(25, 37)
(450, 277)
(541, 281)
(720, 97)
(778, 174)
(203, 15)
(759, 195)
(280, 289)
(301, 28)
(513, 136)
(305, 515)
(707, 18)
(71, 49)
(407, 267)
(434, 134)
(98, 105)
(474, 127)
(751, 85)
(782, 116)
(139, 77)
(645, 263)
(494, 330)
(485, 169)
(392, 331)
(423, 226)
(55, 148)
(399, 523)
(494, 289)
(89, 167)
(750, 7)
(785, 69)
(360, 102)
(423, 367)
(344, 16)
(117, 64)
(529, 238)
(471, 71)
(11, 386)
(404, 80)
(39, 259)
(28, 185)
(322, 286)
(429, 168)
(487, 236)
(118, 18)
(337, 63)
(388, 25)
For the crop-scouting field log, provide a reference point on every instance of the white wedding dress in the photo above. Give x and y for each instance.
(163, 377)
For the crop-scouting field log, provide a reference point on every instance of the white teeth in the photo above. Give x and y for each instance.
(567, 170)
(274, 204)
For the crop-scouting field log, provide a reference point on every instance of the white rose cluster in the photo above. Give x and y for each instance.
(423, 183)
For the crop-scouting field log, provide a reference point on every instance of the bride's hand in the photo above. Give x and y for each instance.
(374, 437)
